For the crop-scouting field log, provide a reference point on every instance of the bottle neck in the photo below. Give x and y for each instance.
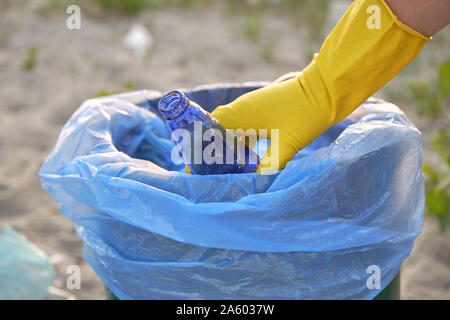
(173, 104)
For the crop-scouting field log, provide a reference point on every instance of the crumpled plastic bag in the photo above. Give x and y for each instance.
(25, 271)
(353, 199)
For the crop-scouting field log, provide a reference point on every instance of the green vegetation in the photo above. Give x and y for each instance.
(426, 98)
(430, 98)
(128, 86)
(123, 7)
(101, 93)
(438, 181)
(29, 61)
(133, 7)
(268, 53)
(118, 7)
(51, 6)
(252, 25)
(128, 7)
(444, 78)
(307, 12)
(312, 13)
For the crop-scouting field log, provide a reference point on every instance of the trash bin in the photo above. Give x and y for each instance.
(349, 203)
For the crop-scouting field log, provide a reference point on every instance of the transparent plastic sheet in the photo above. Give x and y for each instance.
(25, 271)
(352, 199)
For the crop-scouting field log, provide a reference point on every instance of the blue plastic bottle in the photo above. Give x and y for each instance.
(201, 147)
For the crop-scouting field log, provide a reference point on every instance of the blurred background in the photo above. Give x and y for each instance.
(47, 70)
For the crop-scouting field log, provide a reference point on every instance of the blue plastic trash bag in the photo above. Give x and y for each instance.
(349, 203)
(25, 271)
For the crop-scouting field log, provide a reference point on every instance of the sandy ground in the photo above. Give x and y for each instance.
(72, 65)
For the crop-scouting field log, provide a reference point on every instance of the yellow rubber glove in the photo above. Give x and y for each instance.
(365, 50)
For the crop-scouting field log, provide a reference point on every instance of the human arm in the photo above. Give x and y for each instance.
(366, 49)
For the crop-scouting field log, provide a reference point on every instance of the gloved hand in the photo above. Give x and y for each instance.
(356, 60)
